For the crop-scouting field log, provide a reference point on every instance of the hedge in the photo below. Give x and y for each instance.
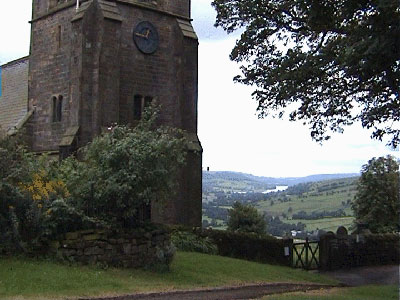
(253, 247)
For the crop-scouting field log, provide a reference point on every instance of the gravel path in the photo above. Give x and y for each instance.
(382, 275)
(223, 293)
(352, 277)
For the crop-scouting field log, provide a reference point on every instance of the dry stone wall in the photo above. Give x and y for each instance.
(119, 249)
(338, 251)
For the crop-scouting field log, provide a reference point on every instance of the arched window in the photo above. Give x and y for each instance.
(58, 37)
(57, 108)
(137, 107)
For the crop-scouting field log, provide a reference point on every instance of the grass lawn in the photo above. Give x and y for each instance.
(33, 279)
(372, 292)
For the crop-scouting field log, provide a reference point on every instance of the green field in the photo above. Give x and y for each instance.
(327, 195)
(331, 199)
(327, 224)
(22, 278)
(220, 223)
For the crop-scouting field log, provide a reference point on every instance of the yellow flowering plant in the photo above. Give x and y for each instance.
(42, 189)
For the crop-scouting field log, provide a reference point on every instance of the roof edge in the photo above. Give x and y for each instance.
(15, 61)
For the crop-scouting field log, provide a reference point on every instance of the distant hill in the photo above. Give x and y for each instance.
(242, 182)
(309, 203)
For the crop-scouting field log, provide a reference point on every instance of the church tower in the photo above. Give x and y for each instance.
(95, 63)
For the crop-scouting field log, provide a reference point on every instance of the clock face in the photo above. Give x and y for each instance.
(146, 38)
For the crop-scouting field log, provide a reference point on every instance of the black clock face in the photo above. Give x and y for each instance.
(146, 37)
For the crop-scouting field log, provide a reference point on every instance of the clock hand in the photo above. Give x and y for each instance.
(142, 35)
(147, 33)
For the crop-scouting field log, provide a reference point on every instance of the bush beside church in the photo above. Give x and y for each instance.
(96, 209)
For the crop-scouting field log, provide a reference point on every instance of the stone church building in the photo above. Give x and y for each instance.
(95, 63)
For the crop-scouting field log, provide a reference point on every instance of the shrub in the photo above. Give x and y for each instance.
(125, 170)
(165, 256)
(119, 173)
(188, 241)
(60, 218)
(18, 215)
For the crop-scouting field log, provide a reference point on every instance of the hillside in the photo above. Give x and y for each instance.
(306, 206)
(242, 182)
(312, 197)
(320, 205)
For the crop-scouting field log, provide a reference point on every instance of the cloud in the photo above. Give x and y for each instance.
(14, 29)
(204, 16)
(234, 138)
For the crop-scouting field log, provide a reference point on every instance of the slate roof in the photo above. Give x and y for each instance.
(187, 29)
(14, 93)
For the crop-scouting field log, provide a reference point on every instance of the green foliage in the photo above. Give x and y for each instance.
(122, 172)
(245, 218)
(165, 256)
(125, 170)
(377, 200)
(187, 241)
(61, 217)
(261, 248)
(29, 199)
(19, 217)
(325, 57)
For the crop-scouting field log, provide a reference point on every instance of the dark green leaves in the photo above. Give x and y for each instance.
(245, 218)
(126, 169)
(377, 200)
(338, 61)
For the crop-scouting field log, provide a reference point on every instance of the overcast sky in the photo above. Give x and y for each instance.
(231, 135)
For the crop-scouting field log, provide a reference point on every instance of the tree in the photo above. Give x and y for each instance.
(329, 63)
(376, 202)
(245, 218)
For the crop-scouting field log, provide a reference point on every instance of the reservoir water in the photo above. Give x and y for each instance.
(278, 188)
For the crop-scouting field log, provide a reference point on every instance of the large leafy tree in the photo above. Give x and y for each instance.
(328, 63)
(377, 200)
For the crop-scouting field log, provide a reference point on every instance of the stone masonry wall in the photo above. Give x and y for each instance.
(120, 249)
(356, 250)
(49, 76)
(89, 58)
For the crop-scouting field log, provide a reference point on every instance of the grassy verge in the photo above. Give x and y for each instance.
(33, 279)
(372, 292)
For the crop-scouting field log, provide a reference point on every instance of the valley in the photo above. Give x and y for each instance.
(318, 202)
